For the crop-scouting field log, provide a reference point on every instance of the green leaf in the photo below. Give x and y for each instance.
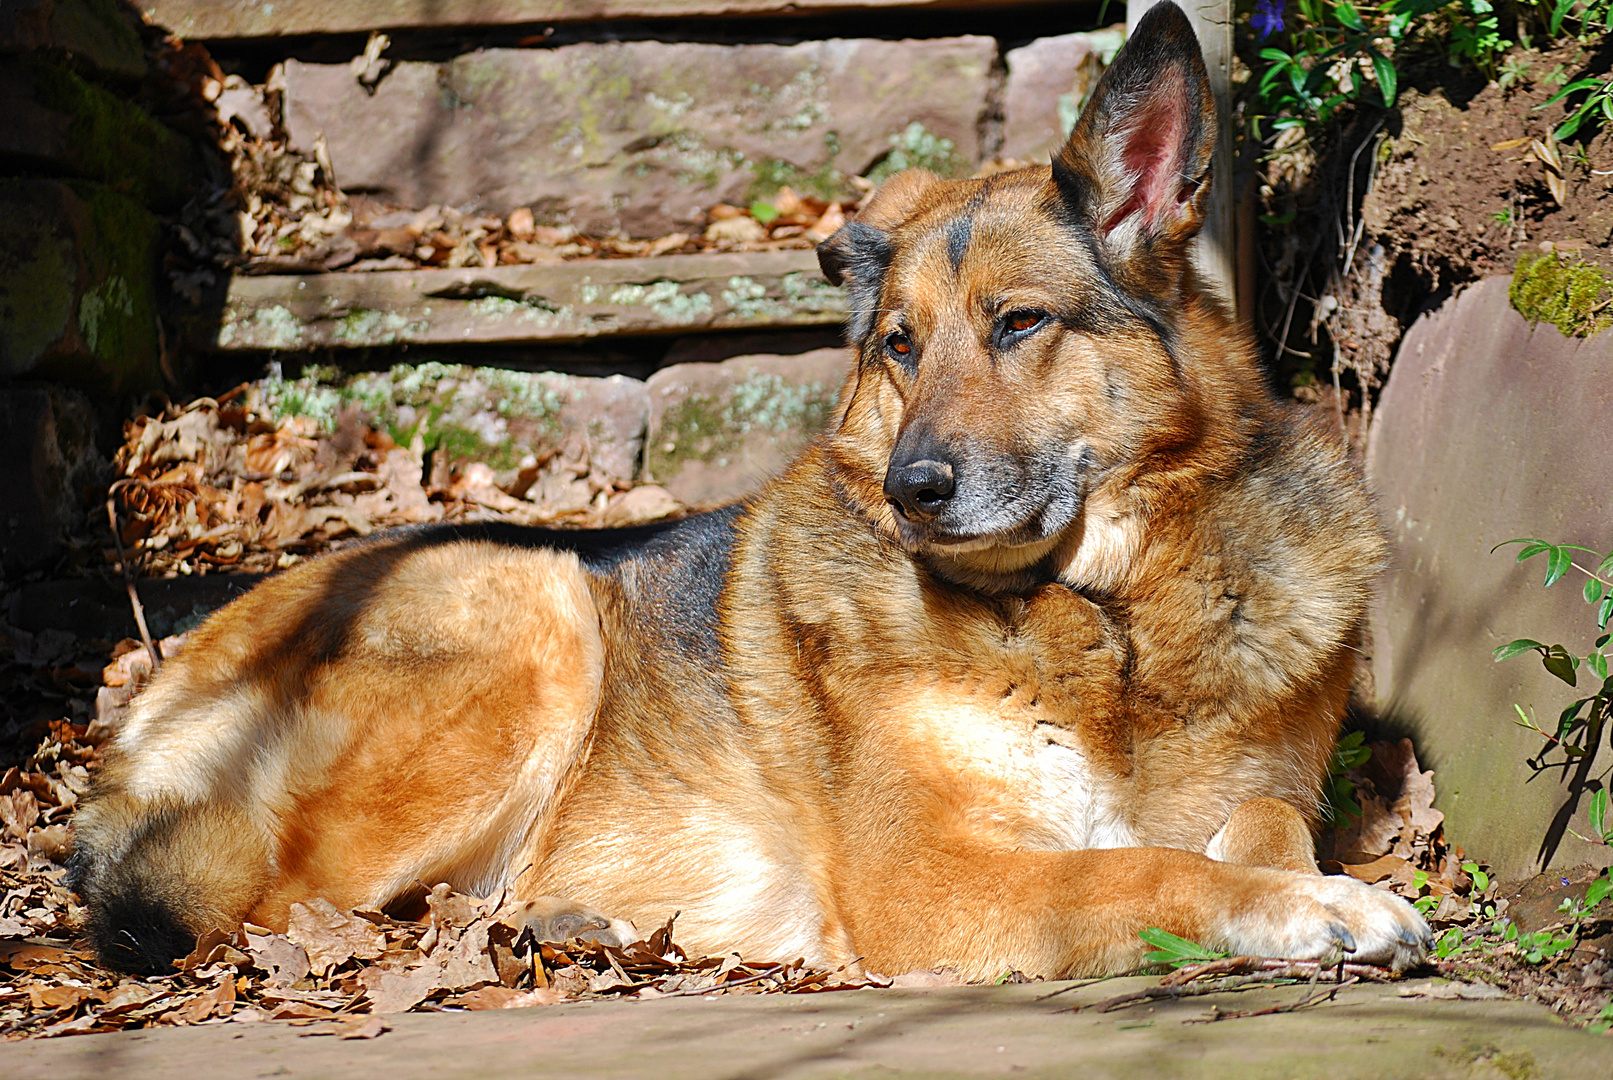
(1557, 564)
(1538, 545)
(1346, 14)
(1606, 567)
(1388, 80)
(1573, 87)
(1597, 663)
(1481, 880)
(1598, 890)
(1173, 950)
(763, 212)
(1597, 813)
(1604, 613)
(1513, 648)
(1558, 661)
(1593, 590)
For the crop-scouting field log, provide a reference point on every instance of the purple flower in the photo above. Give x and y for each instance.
(1268, 18)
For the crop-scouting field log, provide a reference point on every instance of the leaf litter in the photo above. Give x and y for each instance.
(225, 484)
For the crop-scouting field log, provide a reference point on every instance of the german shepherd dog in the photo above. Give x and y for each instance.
(1044, 643)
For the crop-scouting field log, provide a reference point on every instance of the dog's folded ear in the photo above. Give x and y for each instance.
(859, 253)
(1136, 170)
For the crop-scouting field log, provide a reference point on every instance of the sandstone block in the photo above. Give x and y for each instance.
(47, 440)
(1488, 430)
(93, 30)
(718, 432)
(211, 20)
(505, 419)
(1048, 81)
(77, 304)
(62, 124)
(573, 301)
(641, 137)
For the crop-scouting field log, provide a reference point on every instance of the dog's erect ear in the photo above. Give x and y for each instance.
(1136, 170)
(859, 252)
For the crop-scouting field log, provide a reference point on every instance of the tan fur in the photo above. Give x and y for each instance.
(1001, 748)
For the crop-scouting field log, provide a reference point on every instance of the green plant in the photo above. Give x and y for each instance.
(1173, 950)
(1338, 791)
(1603, 1019)
(1580, 725)
(1597, 106)
(1321, 55)
(1504, 218)
(1513, 71)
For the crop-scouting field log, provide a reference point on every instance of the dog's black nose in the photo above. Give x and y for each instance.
(919, 489)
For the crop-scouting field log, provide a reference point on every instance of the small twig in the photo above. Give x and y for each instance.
(1293, 969)
(1082, 985)
(128, 581)
(1314, 997)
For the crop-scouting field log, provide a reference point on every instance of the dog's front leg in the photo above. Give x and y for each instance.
(1066, 913)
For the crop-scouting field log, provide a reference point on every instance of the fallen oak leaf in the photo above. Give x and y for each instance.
(390, 992)
(281, 960)
(331, 938)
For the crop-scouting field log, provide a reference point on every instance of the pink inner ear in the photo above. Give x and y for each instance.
(1151, 155)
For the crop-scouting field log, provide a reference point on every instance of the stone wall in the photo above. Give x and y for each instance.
(642, 137)
(708, 433)
(1488, 430)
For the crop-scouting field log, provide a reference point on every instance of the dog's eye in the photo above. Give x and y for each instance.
(899, 345)
(1018, 325)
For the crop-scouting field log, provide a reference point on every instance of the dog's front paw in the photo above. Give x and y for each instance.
(556, 919)
(1332, 918)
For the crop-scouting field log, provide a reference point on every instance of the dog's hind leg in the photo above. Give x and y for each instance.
(390, 716)
(1265, 832)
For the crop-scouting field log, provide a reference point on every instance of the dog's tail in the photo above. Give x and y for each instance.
(155, 877)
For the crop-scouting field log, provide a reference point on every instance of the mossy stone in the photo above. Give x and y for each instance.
(1573, 297)
(67, 126)
(78, 270)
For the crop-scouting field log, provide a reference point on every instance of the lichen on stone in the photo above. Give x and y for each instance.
(1575, 297)
(917, 148)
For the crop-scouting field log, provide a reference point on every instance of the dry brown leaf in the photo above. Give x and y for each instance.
(281, 960)
(364, 1027)
(1381, 869)
(331, 938)
(390, 992)
(467, 965)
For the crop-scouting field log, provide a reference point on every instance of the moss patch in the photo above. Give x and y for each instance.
(1576, 298)
(112, 140)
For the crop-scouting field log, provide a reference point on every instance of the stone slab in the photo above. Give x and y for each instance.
(719, 432)
(491, 415)
(1048, 81)
(61, 124)
(1367, 1033)
(212, 20)
(642, 137)
(1488, 430)
(571, 302)
(95, 31)
(78, 265)
(47, 441)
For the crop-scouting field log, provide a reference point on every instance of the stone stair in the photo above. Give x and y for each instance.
(631, 118)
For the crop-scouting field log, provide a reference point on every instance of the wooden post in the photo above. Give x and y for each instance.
(1212, 20)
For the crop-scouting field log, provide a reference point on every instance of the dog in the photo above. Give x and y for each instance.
(1044, 643)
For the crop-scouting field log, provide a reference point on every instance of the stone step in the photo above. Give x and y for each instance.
(572, 302)
(214, 21)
